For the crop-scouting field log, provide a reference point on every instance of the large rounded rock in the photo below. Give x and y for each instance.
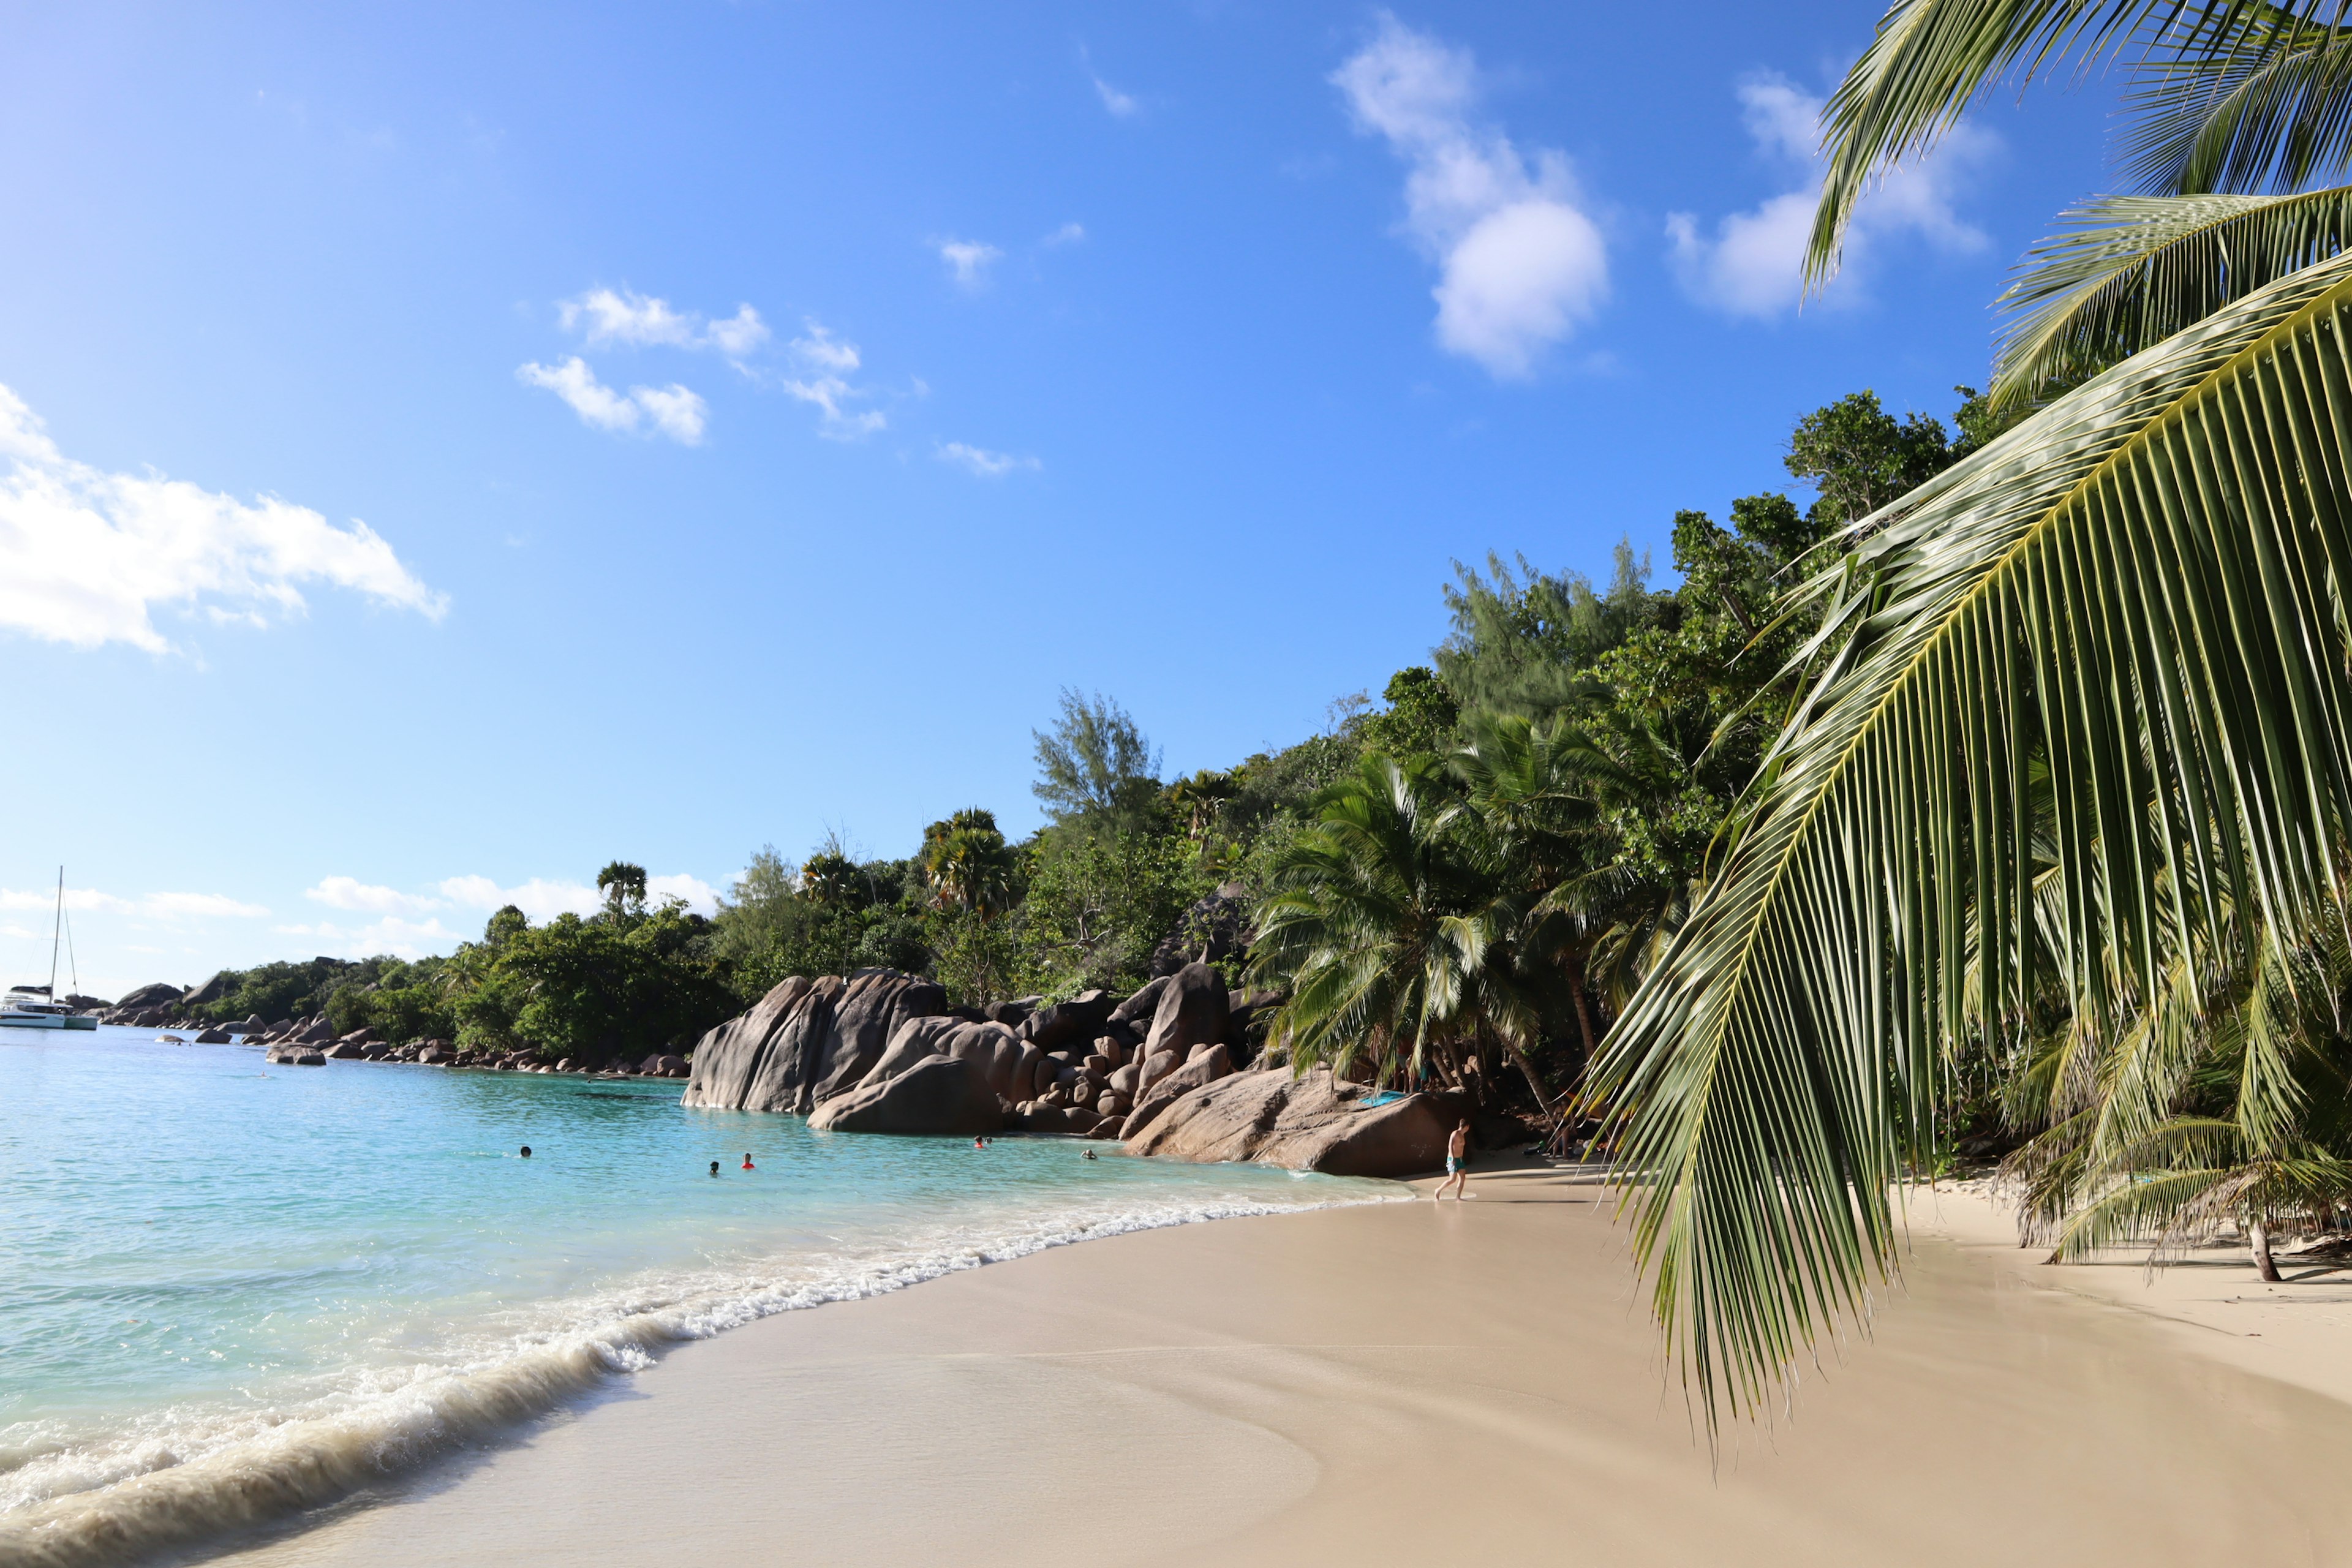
(1125, 1080)
(1110, 1126)
(1069, 1023)
(807, 1040)
(1139, 1009)
(1206, 1068)
(1191, 1012)
(156, 995)
(1307, 1123)
(937, 1094)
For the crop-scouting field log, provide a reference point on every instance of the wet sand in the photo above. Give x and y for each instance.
(1405, 1384)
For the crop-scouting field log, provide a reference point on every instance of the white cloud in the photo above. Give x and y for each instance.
(738, 334)
(1119, 103)
(1069, 234)
(829, 360)
(820, 347)
(1753, 262)
(350, 893)
(697, 895)
(87, 556)
(596, 404)
(539, 898)
(400, 938)
(988, 465)
(673, 411)
(968, 260)
(542, 899)
(153, 906)
(622, 316)
(1520, 264)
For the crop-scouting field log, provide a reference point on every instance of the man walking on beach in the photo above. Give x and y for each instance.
(1457, 1162)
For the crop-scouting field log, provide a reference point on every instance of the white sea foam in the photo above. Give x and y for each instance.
(184, 1473)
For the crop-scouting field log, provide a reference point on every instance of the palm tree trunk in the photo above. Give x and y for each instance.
(2261, 1239)
(1528, 1071)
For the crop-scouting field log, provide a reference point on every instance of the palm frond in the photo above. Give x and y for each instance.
(2254, 101)
(2138, 588)
(2123, 272)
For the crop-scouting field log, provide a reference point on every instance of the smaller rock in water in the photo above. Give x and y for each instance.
(1109, 1127)
(213, 1037)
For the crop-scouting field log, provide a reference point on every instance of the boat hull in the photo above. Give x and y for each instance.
(37, 1021)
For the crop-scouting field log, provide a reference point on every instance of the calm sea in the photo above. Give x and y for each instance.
(229, 1290)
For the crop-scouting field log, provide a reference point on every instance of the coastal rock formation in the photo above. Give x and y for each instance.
(155, 995)
(1069, 1023)
(1311, 1122)
(1190, 1012)
(211, 990)
(935, 1094)
(1208, 1064)
(297, 1056)
(807, 1040)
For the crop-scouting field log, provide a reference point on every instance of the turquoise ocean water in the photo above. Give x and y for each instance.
(229, 1290)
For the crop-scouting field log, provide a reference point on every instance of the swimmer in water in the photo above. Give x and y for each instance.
(747, 1160)
(714, 1167)
(526, 1151)
(978, 1144)
(1090, 1153)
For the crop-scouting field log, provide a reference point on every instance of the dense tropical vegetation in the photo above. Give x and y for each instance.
(1518, 824)
(2055, 827)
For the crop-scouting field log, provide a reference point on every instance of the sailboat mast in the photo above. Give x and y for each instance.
(57, 926)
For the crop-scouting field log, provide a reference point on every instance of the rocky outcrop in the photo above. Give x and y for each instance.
(1069, 1023)
(935, 1094)
(1310, 1122)
(1215, 927)
(297, 1056)
(1190, 1012)
(211, 990)
(807, 1041)
(155, 995)
(1208, 1064)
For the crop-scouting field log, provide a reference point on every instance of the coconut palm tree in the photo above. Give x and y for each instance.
(1385, 925)
(2136, 595)
(2235, 110)
(2222, 1102)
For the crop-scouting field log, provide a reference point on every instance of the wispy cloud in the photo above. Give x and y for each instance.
(826, 363)
(1069, 234)
(1520, 264)
(1752, 264)
(967, 260)
(979, 461)
(623, 316)
(1121, 104)
(153, 906)
(675, 411)
(544, 899)
(366, 897)
(87, 556)
(393, 934)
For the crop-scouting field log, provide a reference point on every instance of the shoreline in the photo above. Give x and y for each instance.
(1387, 1383)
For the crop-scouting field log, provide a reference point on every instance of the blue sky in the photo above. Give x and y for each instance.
(447, 448)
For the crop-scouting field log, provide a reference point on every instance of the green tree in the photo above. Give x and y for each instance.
(2087, 607)
(1420, 717)
(1098, 904)
(624, 887)
(1096, 768)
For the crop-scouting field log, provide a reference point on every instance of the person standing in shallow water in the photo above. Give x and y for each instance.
(1457, 1162)
(714, 1167)
(747, 1160)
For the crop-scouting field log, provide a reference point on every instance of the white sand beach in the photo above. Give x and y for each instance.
(1417, 1384)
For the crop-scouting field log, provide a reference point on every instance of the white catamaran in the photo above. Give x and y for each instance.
(35, 1006)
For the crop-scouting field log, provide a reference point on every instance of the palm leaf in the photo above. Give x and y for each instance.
(2138, 589)
(2128, 271)
(1932, 59)
(2257, 103)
